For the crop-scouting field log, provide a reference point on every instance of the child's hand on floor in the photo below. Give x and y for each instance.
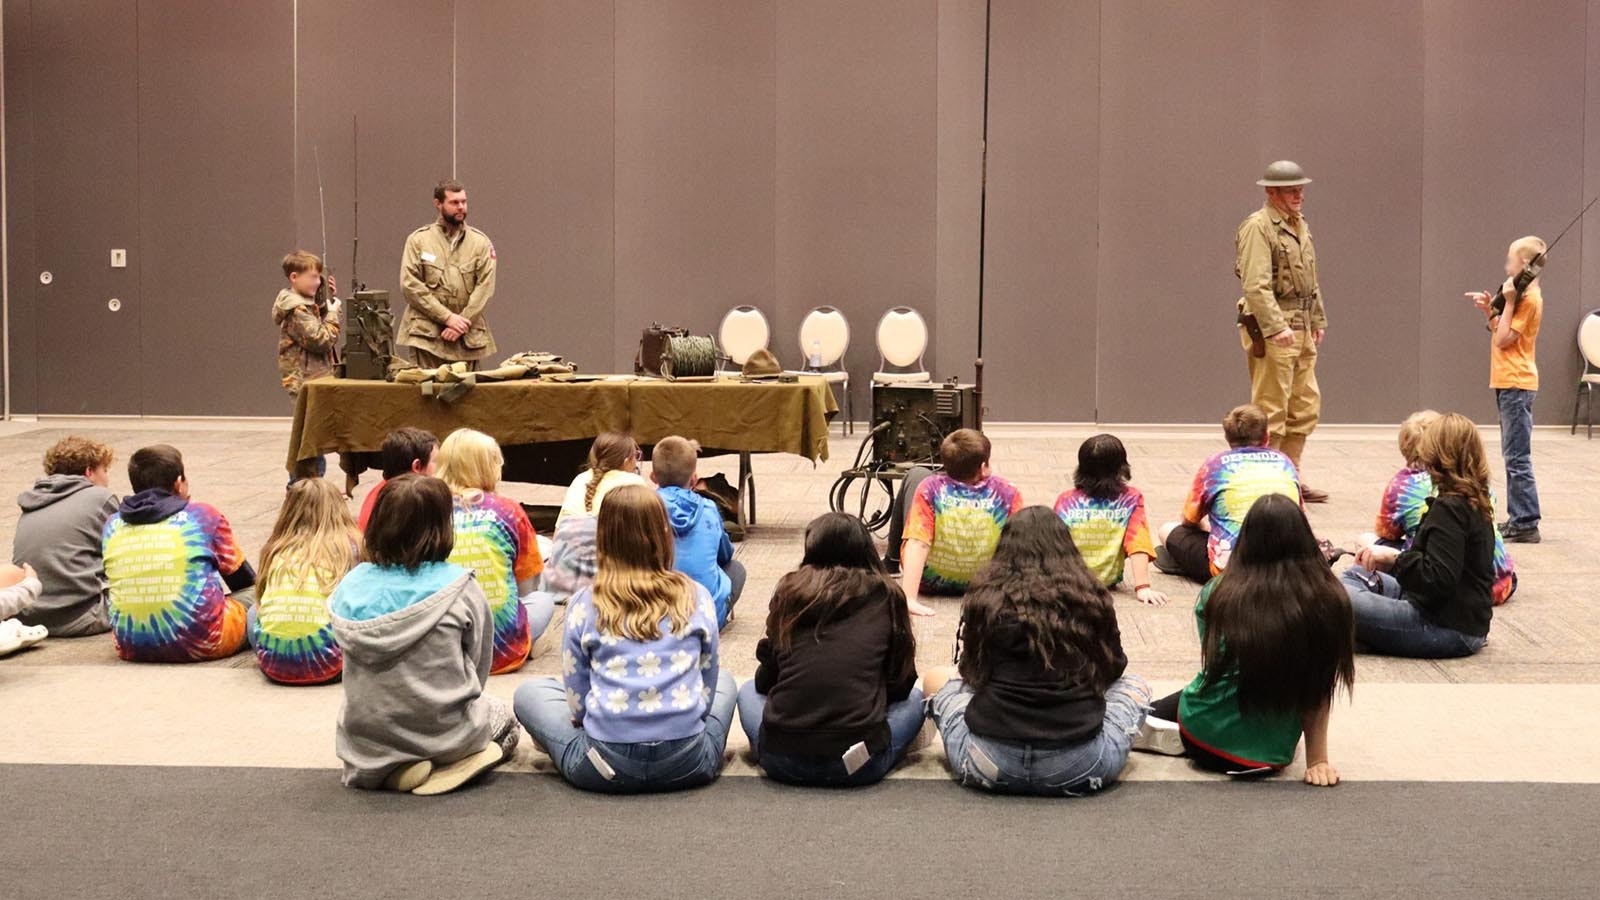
(1151, 596)
(1322, 774)
(918, 608)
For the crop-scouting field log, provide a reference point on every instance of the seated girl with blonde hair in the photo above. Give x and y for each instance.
(313, 544)
(494, 539)
(642, 704)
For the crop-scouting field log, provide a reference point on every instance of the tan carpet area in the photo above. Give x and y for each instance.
(1524, 698)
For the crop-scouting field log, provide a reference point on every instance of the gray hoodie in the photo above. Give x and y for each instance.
(413, 680)
(59, 535)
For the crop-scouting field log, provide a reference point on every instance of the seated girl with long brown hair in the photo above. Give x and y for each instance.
(834, 701)
(641, 705)
(1436, 599)
(1276, 644)
(1042, 705)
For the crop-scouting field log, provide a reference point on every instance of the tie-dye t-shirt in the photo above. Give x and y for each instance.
(292, 631)
(1405, 501)
(961, 524)
(168, 599)
(1107, 532)
(495, 539)
(1228, 484)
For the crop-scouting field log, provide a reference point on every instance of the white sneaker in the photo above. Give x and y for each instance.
(1159, 736)
(10, 637)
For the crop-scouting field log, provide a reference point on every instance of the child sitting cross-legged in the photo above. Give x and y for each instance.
(642, 704)
(701, 549)
(418, 643)
(313, 543)
(1276, 637)
(945, 525)
(1106, 516)
(494, 538)
(1042, 704)
(613, 463)
(1405, 501)
(834, 702)
(179, 583)
(59, 533)
(1435, 599)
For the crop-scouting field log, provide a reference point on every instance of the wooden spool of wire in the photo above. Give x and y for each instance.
(689, 357)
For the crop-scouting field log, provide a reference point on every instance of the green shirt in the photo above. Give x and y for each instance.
(1210, 715)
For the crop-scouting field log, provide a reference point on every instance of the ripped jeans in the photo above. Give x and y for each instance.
(1005, 767)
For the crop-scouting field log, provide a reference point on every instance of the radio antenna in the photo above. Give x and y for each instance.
(355, 191)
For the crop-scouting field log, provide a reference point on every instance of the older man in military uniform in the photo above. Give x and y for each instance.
(447, 274)
(1281, 319)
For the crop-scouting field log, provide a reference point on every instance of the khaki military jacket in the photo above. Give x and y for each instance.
(1277, 268)
(439, 276)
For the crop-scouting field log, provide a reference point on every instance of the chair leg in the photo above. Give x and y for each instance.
(849, 409)
(1577, 399)
(1588, 410)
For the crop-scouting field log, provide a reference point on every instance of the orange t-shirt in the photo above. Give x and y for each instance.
(1513, 366)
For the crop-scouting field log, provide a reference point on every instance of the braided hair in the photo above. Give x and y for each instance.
(610, 451)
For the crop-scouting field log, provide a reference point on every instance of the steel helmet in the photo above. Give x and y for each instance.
(1283, 173)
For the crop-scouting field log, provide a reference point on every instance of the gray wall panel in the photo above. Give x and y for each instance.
(1044, 144)
(86, 203)
(1365, 207)
(216, 157)
(534, 135)
(667, 160)
(960, 146)
(387, 62)
(21, 233)
(1178, 161)
(1502, 157)
(857, 167)
(695, 158)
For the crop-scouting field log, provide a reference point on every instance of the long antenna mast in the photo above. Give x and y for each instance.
(355, 191)
(983, 209)
(322, 206)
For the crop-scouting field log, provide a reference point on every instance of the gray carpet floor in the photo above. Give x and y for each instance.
(137, 832)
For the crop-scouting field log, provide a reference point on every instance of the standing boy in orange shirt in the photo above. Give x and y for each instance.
(1514, 376)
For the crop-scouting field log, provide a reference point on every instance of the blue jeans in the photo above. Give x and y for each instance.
(648, 767)
(1010, 768)
(1391, 625)
(1516, 446)
(737, 576)
(905, 720)
(541, 607)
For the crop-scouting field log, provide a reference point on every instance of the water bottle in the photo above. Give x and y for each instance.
(814, 361)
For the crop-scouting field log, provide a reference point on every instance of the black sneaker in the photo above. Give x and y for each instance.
(1165, 563)
(1528, 535)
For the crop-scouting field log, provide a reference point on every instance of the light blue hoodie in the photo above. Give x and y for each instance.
(700, 544)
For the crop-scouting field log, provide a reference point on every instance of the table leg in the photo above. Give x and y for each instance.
(747, 491)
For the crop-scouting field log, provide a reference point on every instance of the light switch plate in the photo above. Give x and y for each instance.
(119, 259)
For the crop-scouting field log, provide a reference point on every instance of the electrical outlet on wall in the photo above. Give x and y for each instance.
(119, 259)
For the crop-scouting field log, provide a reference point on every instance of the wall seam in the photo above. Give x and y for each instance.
(138, 200)
(453, 90)
(1422, 210)
(614, 305)
(5, 245)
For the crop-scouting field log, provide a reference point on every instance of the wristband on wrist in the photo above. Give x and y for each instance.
(1140, 587)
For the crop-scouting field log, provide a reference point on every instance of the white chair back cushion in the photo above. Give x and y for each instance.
(744, 331)
(1589, 338)
(902, 336)
(827, 329)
